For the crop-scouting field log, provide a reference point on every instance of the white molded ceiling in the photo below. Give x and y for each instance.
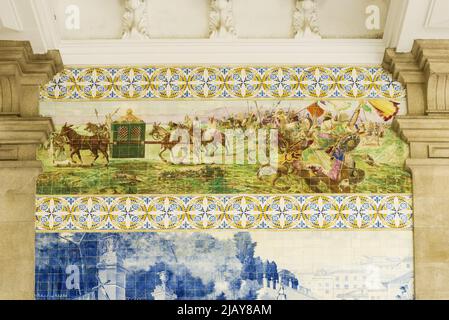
(188, 19)
(179, 29)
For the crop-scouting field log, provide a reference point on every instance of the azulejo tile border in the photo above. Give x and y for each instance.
(222, 82)
(88, 213)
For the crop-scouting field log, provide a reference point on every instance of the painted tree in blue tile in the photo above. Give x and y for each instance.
(152, 265)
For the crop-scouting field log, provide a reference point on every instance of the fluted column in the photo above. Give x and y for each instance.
(22, 130)
(425, 72)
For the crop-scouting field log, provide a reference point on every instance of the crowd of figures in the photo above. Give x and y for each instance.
(329, 136)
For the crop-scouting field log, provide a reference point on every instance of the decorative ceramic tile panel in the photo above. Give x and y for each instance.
(224, 182)
(135, 155)
(224, 265)
(274, 212)
(212, 82)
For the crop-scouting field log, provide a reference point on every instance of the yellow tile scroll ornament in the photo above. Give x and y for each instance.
(184, 212)
(224, 82)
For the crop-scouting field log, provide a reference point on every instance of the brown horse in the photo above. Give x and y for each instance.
(79, 142)
(162, 135)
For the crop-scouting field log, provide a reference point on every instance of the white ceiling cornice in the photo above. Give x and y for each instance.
(204, 51)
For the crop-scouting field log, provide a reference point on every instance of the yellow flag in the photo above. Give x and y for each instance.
(385, 108)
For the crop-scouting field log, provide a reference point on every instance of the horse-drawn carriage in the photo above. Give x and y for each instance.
(128, 137)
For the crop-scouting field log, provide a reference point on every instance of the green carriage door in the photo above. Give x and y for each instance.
(129, 140)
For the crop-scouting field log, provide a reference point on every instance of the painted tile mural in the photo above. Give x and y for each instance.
(224, 183)
(224, 265)
(312, 134)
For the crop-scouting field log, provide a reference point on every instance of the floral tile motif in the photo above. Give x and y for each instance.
(186, 212)
(195, 82)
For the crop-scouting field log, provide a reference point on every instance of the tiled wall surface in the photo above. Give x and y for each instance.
(181, 212)
(152, 82)
(224, 265)
(330, 218)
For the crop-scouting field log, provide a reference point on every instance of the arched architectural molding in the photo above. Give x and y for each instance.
(22, 130)
(425, 72)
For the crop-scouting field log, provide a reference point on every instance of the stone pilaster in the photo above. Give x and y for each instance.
(425, 72)
(22, 130)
